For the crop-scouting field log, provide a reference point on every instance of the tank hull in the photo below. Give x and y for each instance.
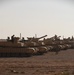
(16, 51)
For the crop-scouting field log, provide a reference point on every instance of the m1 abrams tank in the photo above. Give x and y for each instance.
(52, 43)
(13, 47)
(36, 43)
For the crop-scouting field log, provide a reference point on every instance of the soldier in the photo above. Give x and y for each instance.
(12, 38)
(8, 38)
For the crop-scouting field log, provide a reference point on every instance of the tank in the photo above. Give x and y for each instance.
(13, 47)
(37, 44)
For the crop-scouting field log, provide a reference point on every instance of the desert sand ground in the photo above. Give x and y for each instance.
(49, 63)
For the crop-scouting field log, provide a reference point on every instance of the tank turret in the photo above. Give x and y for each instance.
(36, 39)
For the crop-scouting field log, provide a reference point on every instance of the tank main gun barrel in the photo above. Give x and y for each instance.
(42, 37)
(36, 39)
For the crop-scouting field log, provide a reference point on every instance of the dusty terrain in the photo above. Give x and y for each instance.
(46, 64)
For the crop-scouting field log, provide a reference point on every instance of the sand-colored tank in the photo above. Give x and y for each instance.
(36, 43)
(15, 47)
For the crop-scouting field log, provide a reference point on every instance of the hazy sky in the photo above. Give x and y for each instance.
(41, 17)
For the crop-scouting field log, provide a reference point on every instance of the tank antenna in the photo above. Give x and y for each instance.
(35, 35)
(20, 35)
